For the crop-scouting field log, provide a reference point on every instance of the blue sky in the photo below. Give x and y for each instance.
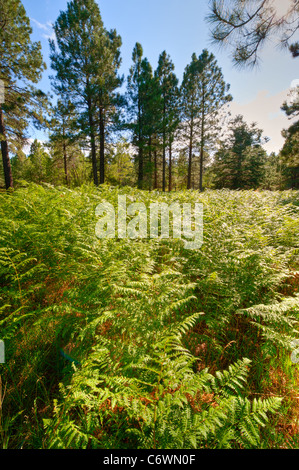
(179, 27)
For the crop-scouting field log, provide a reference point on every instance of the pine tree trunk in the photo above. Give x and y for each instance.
(65, 165)
(102, 147)
(164, 170)
(150, 162)
(65, 157)
(190, 156)
(140, 149)
(156, 169)
(93, 144)
(140, 168)
(201, 169)
(94, 158)
(5, 155)
(164, 154)
(170, 168)
(202, 141)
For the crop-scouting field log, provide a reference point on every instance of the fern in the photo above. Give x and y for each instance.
(276, 322)
(159, 357)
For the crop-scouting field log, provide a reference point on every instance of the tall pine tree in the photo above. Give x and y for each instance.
(144, 103)
(21, 66)
(190, 109)
(204, 93)
(86, 61)
(134, 102)
(170, 110)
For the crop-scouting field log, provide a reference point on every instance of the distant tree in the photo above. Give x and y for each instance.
(254, 166)
(63, 134)
(86, 60)
(19, 165)
(21, 66)
(273, 172)
(245, 25)
(121, 165)
(203, 95)
(240, 161)
(181, 171)
(66, 146)
(290, 151)
(39, 165)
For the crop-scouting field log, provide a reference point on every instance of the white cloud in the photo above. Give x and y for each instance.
(265, 111)
(51, 36)
(295, 83)
(45, 26)
(282, 7)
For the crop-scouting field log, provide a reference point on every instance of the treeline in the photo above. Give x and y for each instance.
(148, 130)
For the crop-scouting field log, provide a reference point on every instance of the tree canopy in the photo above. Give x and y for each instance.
(245, 26)
(167, 133)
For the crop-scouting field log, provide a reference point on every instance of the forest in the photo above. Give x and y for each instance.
(140, 343)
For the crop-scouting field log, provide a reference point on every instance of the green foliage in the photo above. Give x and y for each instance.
(120, 170)
(275, 322)
(120, 343)
(290, 151)
(240, 162)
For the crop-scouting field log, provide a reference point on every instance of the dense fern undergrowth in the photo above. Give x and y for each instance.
(131, 344)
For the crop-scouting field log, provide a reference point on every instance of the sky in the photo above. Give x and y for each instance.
(180, 28)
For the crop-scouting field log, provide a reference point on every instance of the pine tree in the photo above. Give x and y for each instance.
(109, 101)
(134, 101)
(21, 66)
(170, 110)
(213, 94)
(190, 110)
(143, 101)
(65, 143)
(152, 105)
(204, 93)
(86, 63)
(240, 161)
